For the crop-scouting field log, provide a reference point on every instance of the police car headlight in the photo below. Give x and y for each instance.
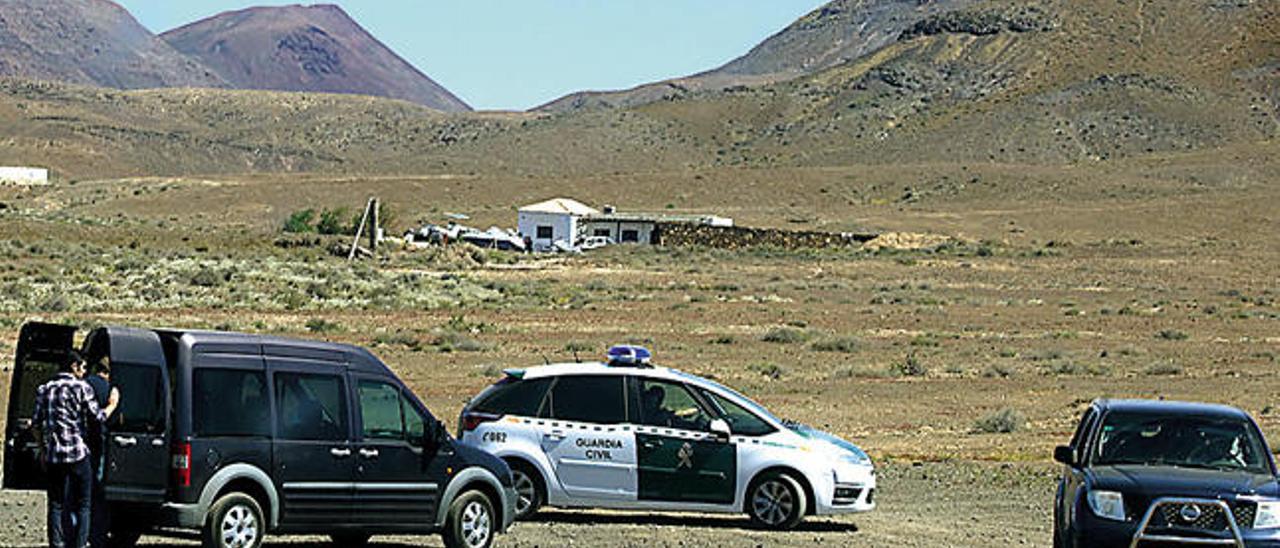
(1107, 504)
(1268, 516)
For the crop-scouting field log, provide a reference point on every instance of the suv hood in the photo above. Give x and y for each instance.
(831, 444)
(1155, 481)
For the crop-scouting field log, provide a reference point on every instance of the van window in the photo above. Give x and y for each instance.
(415, 425)
(513, 397)
(142, 399)
(311, 407)
(381, 411)
(595, 398)
(229, 403)
(670, 405)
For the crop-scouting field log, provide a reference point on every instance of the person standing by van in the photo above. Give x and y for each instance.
(64, 408)
(99, 517)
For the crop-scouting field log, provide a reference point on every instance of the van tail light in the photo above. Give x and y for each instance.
(471, 421)
(180, 464)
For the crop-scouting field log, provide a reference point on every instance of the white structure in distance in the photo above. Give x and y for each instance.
(24, 176)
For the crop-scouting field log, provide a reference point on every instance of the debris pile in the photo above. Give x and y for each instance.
(907, 241)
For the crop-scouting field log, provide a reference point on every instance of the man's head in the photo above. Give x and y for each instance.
(102, 367)
(74, 364)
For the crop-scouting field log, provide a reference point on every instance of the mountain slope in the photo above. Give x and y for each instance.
(94, 42)
(838, 32)
(306, 48)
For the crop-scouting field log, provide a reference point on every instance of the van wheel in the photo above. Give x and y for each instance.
(471, 522)
(528, 485)
(234, 521)
(350, 540)
(776, 501)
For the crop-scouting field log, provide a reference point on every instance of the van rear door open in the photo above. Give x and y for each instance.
(137, 442)
(41, 349)
(138, 433)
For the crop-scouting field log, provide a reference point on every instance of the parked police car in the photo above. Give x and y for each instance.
(626, 435)
(1166, 473)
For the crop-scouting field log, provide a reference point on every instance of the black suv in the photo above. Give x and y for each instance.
(240, 435)
(1165, 473)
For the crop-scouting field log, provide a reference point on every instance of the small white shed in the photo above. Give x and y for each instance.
(24, 176)
(546, 223)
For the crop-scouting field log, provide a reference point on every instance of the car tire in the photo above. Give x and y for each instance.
(471, 523)
(529, 489)
(776, 501)
(350, 540)
(234, 521)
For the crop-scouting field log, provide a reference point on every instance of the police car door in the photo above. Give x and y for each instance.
(584, 438)
(678, 458)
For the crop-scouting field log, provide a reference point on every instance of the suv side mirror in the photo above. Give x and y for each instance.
(720, 429)
(1065, 454)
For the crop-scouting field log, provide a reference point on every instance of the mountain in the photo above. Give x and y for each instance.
(92, 42)
(306, 48)
(835, 33)
(999, 85)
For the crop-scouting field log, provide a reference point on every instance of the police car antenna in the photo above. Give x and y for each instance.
(545, 361)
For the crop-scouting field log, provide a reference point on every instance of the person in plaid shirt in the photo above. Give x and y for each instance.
(64, 408)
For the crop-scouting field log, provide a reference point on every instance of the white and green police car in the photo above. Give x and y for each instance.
(626, 435)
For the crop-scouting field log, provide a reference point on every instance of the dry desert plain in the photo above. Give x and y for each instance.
(1044, 289)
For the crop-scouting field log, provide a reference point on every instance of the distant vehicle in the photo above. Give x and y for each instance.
(595, 242)
(1165, 473)
(626, 435)
(494, 238)
(238, 436)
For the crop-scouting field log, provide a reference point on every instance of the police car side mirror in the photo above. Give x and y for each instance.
(720, 429)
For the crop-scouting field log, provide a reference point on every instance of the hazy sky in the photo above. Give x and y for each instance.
(516, 54)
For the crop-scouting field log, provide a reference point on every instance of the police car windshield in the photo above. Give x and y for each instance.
(748, 402)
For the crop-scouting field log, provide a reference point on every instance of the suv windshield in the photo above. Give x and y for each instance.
(1215, 443)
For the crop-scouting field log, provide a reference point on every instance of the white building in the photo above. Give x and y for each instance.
(24, 175)
(546, 223)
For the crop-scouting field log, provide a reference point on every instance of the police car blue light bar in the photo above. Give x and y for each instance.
(629, 355)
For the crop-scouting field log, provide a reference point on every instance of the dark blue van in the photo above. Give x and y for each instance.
(237, 436)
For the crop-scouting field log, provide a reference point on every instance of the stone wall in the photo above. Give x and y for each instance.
(688, 234)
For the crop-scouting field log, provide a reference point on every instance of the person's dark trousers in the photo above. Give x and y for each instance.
(99, 515)
(70, 487)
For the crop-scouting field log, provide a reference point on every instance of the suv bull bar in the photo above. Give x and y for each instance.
(1237, 539)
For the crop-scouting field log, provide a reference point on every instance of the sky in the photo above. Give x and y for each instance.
(518, 54)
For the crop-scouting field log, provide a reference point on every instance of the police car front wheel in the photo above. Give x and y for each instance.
(776, 501)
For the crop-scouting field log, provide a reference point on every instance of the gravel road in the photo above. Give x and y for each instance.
(921, 504)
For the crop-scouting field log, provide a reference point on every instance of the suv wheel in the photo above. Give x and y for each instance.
(776, 501)
(234, 521)
(528, 484)
(471, 522)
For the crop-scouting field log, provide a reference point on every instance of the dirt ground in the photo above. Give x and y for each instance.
(1054, 289)
(929, 504)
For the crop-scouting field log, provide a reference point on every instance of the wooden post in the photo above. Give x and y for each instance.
(364, 220)
(373, 224)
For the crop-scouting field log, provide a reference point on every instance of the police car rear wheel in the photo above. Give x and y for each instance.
(777, 502)
(528, 494)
